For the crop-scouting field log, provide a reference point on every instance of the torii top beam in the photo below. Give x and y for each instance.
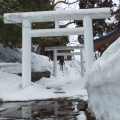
(46, 16)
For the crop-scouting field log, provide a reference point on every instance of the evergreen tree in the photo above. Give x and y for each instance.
(10, 34)
(100, 27)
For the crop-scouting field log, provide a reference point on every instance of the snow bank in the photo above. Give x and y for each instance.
(67, 81)
(45, 88)
(11, 59)
(103, 84)
(9, 55)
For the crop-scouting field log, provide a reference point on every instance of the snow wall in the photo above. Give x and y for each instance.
(103, 84)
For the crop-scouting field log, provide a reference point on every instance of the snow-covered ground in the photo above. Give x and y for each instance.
(102, 82)
(69, 80)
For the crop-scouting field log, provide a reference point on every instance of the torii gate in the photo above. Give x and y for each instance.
(26, 18)
(55, 54)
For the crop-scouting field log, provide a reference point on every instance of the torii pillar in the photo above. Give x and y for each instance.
(26, 54)
(88, 41)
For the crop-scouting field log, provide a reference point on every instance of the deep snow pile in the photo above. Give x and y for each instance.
(9, 55)
(103, 84)
(68, 81)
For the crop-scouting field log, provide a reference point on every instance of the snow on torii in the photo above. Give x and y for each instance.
(27, 18)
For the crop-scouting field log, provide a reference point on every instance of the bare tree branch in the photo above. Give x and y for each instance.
(64, 2)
